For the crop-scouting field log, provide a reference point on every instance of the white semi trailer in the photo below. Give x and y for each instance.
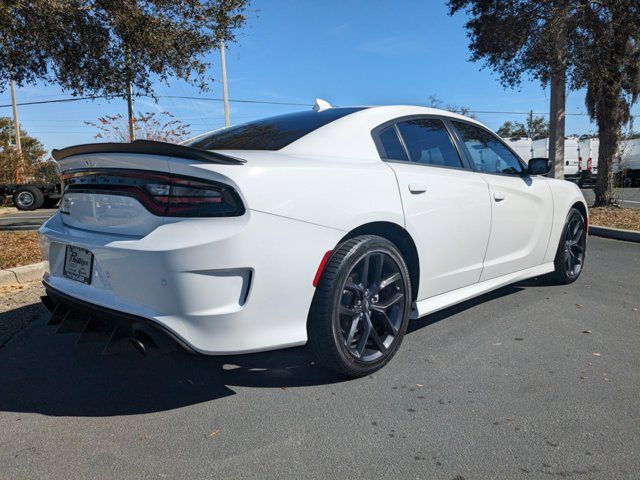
(522, 146)
(630, 162)
(588, 165)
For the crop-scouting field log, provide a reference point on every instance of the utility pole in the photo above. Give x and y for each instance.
(225, 93)
(16, 130)
(132, 127)
(16, 125)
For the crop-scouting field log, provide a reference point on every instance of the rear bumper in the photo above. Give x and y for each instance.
(218, 286)
(117, 324)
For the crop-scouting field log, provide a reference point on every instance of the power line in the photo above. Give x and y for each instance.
(183, 97)
(61, 100)
(260, 102)
(528, 113)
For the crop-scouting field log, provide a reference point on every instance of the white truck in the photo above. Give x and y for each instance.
(571, 156)
(31, 196)
(588, 164)
(630, 162)
(581, 158)
(522, 146)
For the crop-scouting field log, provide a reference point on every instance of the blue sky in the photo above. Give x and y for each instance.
(349, 52)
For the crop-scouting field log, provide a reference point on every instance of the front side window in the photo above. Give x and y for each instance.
(489, 154)
(428, 142)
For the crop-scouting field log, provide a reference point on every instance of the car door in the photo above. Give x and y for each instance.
(521, 205)
(446, 205)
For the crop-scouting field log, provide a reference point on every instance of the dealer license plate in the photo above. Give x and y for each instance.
(78, 264)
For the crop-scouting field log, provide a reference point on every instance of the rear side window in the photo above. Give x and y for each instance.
(488, 153)
(271, 133)
(428, 142)
(391, 146)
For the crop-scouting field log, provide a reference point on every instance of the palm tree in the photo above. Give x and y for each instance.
(611, 71)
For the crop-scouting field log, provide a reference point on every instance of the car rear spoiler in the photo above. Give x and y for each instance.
(148, 147)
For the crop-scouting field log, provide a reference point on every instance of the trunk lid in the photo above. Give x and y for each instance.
(103, 185)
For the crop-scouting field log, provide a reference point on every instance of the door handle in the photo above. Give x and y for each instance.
(498, 196)
(417, 188)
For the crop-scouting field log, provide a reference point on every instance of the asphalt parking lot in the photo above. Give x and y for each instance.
(531, 381)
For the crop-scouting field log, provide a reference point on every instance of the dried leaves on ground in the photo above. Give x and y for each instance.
(19, 248)
(625, 218)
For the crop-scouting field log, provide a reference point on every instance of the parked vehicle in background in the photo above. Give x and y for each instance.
(540, 148)
(32, 196)
(588, 161)
(581, 159)
(572, 170)
(630, 163)
(522, 146)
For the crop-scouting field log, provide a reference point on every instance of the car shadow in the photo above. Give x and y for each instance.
(48, 373)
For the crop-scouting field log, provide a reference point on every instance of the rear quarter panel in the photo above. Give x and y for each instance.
(332, 192)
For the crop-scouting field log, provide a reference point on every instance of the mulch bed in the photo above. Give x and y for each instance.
(625, 218)
(19, 248)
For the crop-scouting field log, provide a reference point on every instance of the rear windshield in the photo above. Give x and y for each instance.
(271, 133)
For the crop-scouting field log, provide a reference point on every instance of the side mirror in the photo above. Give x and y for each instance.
(539, 166)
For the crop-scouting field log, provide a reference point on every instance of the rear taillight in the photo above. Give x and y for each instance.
(579, 164)
(589, 164)
(162, 194)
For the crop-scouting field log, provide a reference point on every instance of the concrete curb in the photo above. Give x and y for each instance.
(24, 274)
(614, 233)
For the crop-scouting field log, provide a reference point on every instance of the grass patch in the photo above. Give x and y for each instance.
(19, 248)
(625, 218)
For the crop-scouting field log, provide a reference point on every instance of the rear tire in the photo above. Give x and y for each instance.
(28, 198)
(572, 248)
(360, 310)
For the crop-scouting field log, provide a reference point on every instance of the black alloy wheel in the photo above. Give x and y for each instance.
(371, 306)
(361, 307)
(570, 256)
(574, 244)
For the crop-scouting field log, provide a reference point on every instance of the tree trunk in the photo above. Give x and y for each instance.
(609, 134)
(556, 123)
(558, 90)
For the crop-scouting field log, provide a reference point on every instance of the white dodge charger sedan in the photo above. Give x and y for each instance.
(332, 227)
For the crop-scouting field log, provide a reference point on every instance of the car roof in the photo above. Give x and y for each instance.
(350, 136)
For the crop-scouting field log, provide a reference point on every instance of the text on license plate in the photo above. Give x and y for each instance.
(78, 264)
